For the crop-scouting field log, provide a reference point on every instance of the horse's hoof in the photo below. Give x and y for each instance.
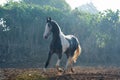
(64, 72)
(72, 70)
(60, 69)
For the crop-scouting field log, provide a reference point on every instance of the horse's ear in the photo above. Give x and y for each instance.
(48, 19)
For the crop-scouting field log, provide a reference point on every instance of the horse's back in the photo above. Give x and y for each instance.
(73, 41)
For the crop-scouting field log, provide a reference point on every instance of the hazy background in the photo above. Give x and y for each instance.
(22, 26)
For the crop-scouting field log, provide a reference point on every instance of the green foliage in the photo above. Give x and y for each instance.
(59, 4)
(107, 26)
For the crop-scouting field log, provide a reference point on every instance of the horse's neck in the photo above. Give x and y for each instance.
(57, 33)
(58, 36)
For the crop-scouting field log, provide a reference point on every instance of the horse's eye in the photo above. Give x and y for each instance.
(49, 25)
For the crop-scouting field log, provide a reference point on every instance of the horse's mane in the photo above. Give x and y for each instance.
(56, 24)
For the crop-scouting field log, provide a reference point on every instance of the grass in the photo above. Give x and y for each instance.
(30, 76)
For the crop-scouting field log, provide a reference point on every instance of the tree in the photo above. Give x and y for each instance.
(59, 4)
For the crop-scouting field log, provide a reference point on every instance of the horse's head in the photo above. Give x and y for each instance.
(48, 28)
(51, 27)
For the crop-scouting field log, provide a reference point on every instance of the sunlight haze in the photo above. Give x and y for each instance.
(2, 1)
(99, 4)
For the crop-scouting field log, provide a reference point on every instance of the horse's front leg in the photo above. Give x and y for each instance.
(58, 62)
(48, 60)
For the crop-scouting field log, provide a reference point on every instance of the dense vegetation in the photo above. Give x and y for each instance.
(22, 27)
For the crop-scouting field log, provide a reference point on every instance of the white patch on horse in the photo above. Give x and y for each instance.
(64, 42)
(58, 62)
(47, 30)
(69, 36)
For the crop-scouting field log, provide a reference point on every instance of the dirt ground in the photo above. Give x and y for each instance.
(81, 73)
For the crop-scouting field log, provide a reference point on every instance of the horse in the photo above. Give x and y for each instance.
(61, 44)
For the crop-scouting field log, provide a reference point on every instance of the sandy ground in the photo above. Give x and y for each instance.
(84, 73)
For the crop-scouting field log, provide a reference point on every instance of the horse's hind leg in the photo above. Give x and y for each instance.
(69, 64)
(71, 68)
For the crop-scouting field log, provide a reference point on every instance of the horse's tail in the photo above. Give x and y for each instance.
(77, 52)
